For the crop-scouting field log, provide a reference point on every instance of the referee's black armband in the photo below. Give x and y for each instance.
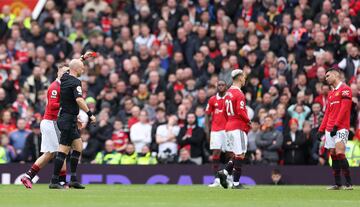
(89, 113)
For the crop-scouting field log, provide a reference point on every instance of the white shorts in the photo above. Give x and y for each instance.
(50, 135)
(236, 142)
(217, 140)
(341, 136)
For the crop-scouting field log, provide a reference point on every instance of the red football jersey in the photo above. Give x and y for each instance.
(215, 108)
(53, 97)
(338, 108)
(235, 110)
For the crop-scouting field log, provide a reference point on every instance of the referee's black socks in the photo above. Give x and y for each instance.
(58, 163)
(74, 160)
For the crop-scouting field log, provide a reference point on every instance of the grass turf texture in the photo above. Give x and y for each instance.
(173, 195)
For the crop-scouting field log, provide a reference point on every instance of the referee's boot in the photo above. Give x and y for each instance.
(76, 185)
(56, 186)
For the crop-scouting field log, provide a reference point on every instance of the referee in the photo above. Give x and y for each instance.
(70, 101)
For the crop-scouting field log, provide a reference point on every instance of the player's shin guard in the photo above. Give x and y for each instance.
(336, 170)
(237, 170)
(58, 163)
(74, 160)
(344, 165)
(32, 171)
(216, 163)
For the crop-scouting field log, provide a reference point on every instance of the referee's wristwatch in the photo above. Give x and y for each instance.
(82, 58)
(89, 113)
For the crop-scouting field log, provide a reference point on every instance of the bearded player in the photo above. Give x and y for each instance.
(335, 126)
(237, 127)
(50, 133)
(214, 109)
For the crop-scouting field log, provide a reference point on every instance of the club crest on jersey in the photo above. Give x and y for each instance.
(337, 93)
(216, 104)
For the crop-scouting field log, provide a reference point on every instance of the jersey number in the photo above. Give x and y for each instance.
(229, 108)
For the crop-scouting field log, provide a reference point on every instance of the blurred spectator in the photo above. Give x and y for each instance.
(276, 177)
(102, 130)
(107, 156)
(145, 157)
(184, 157)
(253, 135)
(192, 137)
(7, 124)
(7, 152)
(32, 146)
(270, 142)
(294, 145)
(129, 157)
(166, 139)
(18, 137)
(140, 133)
(119, 136)
(91, 146)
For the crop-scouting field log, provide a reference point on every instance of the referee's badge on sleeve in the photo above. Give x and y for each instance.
(79, 90)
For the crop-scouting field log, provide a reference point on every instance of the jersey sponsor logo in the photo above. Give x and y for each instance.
(345, 93)
(53, 94)
(79, 90)
(334, 102)
(218, 111)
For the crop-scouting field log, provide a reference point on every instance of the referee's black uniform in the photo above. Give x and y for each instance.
(70, 89)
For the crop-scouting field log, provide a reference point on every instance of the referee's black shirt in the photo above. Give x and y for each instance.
(70, 89)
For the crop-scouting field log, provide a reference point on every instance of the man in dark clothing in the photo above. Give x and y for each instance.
(32, 146)
(270, 142)
(192, 136)
(294, 145)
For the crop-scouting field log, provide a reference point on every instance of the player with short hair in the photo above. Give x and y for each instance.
(70, 101)
(335, 126)
(237, 127)
(214, 109)
(50, 133)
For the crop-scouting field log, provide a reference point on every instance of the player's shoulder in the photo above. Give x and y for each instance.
(212, 99)
(345, 86)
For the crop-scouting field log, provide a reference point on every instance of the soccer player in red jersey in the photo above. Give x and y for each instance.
(214, 109)
(50, 133)
(335, 126)
(237, 127)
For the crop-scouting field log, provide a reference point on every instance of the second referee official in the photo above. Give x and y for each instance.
(70, 101)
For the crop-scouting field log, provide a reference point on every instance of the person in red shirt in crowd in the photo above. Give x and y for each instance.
(335, 126)
(119, 137)
(214, 109)
(7, 124)
(237, 127)
(50, 132)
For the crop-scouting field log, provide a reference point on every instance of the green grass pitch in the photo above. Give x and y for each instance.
(173, 195)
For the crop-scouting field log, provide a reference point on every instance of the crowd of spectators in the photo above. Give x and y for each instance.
(158, 64)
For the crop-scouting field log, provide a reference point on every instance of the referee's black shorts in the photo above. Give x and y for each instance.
(67, 124)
